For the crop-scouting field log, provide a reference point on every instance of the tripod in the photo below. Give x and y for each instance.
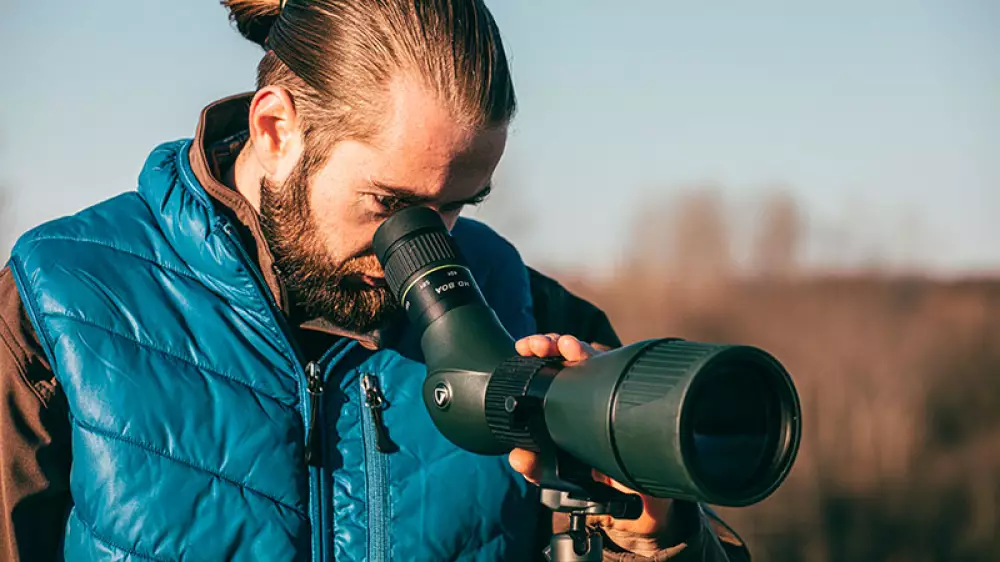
(568, 487)
(580, 544)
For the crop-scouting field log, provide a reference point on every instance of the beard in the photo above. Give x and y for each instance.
(317, 285)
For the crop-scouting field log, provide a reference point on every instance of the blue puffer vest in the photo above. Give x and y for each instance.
(188, 401)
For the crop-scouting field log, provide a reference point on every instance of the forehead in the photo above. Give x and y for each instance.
(423, 145)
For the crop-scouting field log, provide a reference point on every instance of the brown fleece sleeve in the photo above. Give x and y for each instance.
(34, 440)
(559, 311)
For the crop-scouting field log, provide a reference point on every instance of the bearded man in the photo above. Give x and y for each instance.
(211, 367)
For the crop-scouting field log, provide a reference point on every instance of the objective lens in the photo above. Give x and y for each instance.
(735, 423)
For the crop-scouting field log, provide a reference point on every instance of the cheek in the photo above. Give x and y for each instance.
(333, 227)
(343, 226)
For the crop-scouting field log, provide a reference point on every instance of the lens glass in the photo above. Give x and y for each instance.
(735, 424)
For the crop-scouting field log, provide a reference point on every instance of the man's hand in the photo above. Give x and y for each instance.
(656, 511)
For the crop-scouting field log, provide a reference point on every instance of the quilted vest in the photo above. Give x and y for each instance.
(189, 403)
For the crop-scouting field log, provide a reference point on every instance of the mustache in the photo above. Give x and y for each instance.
(364, 264)
(351, 274)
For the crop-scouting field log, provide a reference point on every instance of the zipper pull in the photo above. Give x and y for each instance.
(376, 403)
(314, 380)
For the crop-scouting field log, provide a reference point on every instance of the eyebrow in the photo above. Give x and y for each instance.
(410, 196)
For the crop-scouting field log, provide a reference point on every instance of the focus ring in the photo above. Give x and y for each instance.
(658, 371)
(509, 382)
(419, 252)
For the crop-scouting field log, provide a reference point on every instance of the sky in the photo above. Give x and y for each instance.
(881, 118)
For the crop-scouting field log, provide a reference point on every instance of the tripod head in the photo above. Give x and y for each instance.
(568, 487)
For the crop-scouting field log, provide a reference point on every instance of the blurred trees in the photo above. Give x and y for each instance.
(778, 237)
(696, 238)
(700, 241)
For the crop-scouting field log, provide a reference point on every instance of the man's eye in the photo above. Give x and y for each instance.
(386, 203)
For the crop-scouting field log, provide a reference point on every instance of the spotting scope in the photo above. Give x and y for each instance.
(704, 422)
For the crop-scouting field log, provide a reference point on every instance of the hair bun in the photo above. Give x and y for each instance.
(254, 18)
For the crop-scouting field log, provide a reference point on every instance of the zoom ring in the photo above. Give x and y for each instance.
(511, 380)
(418, 253)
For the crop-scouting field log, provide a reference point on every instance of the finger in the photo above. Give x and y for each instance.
(655, 510)
(543, 346)
(599, 477)
(523, 346)
(525, 462)
(533, 345)
(575, 350)
(608, 481)
(540, 345)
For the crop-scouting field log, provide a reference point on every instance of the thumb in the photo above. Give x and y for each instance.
(526, 462)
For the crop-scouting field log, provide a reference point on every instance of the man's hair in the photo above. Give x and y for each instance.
(336, 58)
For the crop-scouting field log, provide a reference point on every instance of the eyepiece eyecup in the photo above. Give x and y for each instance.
(411, 242)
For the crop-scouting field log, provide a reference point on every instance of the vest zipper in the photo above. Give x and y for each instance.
(314, 385)
(316, 457)
(377, 444)
(305, 401)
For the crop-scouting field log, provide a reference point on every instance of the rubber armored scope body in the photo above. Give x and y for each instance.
(696, 421)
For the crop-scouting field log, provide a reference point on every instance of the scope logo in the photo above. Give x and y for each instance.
(442, 396)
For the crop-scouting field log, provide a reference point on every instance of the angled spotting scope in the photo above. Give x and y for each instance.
(702, 422)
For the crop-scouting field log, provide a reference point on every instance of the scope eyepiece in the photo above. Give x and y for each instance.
(424, 268)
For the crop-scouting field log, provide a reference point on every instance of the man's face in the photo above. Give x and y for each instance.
(320, 228)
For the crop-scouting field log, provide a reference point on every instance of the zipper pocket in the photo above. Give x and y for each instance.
(377, 444)
(376, 403)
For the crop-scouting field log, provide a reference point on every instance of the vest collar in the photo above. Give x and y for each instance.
(203, 238)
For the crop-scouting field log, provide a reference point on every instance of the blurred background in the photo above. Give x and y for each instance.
(822, 180)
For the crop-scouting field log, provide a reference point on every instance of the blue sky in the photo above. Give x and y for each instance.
(882, 118)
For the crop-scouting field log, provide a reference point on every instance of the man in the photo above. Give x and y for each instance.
(212, 367)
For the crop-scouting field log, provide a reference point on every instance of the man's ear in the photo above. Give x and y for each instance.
(275, 132)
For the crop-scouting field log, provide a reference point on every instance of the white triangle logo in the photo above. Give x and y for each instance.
(441, 396)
